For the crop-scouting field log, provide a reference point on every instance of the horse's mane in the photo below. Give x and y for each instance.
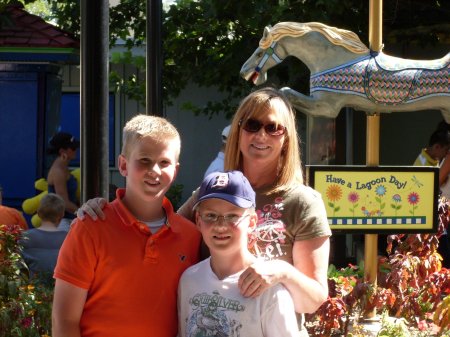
(340, 37)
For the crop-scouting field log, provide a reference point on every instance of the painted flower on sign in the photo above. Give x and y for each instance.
(413, 199)
(334, 193)
(353, 197)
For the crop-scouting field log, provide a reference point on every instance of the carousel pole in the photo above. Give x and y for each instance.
(373, 148)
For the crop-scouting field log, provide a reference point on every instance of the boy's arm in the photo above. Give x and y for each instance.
(68, 304)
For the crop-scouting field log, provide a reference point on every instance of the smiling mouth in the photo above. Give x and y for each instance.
(221, 237)
(260, 148)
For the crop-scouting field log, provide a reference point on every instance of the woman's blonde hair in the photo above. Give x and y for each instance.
(158, 128)
(256, 105)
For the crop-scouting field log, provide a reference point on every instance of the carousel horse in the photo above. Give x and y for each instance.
(345, 73)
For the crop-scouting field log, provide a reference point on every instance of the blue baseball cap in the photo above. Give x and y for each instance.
(231, 186)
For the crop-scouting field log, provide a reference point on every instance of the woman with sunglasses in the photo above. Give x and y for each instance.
(292, 233)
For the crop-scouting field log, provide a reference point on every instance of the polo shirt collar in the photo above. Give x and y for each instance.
(129, 219)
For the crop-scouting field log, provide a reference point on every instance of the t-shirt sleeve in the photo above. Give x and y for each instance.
(77, 256)
(311, 216)
(278, 317)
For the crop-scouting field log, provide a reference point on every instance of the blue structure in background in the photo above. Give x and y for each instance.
(29, 108)
(31, 56)
(70, 121)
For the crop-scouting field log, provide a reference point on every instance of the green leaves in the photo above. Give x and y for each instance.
(206, 42)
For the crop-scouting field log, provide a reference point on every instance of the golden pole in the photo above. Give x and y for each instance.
(373, 148)
(375, 24)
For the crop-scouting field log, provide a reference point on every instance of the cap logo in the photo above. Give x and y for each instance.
(221, 181)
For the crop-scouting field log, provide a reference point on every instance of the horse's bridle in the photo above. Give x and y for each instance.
(270, 52)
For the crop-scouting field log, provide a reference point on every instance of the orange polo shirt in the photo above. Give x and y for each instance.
(131, 275)
(11, 216)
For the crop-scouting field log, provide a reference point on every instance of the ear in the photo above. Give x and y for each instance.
(122, 165)
(266, 32)
(197, 220)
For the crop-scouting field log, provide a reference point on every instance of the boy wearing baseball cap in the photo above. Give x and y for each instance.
(209, 301)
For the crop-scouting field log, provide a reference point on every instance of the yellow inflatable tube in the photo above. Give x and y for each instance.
(31, 205)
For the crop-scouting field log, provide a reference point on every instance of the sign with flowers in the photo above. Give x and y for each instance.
(386, 199)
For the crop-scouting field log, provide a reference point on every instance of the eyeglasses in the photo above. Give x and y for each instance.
(253, 125)
(229, 219)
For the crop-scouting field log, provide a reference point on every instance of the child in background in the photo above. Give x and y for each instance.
(41, 245)
(118, 277)
(209, 301)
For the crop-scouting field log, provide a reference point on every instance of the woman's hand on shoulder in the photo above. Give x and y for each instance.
(93, 208)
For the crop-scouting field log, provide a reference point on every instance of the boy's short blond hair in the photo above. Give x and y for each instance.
(157, 128)
(51, 208)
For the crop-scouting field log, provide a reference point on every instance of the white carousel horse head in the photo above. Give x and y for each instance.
(345, 73)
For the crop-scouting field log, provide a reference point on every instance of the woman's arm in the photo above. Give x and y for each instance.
(94, 208)
(306, 279)
(187, 209)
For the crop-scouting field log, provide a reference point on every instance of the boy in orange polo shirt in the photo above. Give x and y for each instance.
(119, 276)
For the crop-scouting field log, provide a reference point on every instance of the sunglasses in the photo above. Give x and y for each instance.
(253, 125)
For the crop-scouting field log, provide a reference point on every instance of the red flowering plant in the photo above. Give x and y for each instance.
(417, 277)
(412, 285)
(25, 308)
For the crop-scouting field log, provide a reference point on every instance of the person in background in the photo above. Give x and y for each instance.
(437, 150)
(41, 245)
(59, 178)
(292, 234)
(225, 214)
(119, 277)
(217, 163)
(444, 167)
(11, 216)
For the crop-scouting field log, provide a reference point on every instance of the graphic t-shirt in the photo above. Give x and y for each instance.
(283, 218)
(208, 306)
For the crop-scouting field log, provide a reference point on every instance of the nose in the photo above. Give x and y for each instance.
(154, 168)
(262, 132)
(220, 222)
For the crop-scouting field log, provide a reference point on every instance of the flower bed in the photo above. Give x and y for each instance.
(25, 305)
(412, 294)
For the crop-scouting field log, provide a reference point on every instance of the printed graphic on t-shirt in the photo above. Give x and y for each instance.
(268, 237)
(213, 315)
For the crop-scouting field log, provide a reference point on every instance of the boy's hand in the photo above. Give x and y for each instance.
(92, 208)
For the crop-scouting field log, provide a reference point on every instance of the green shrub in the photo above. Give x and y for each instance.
(25, 305)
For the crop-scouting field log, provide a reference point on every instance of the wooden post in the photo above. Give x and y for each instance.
(373, 149)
